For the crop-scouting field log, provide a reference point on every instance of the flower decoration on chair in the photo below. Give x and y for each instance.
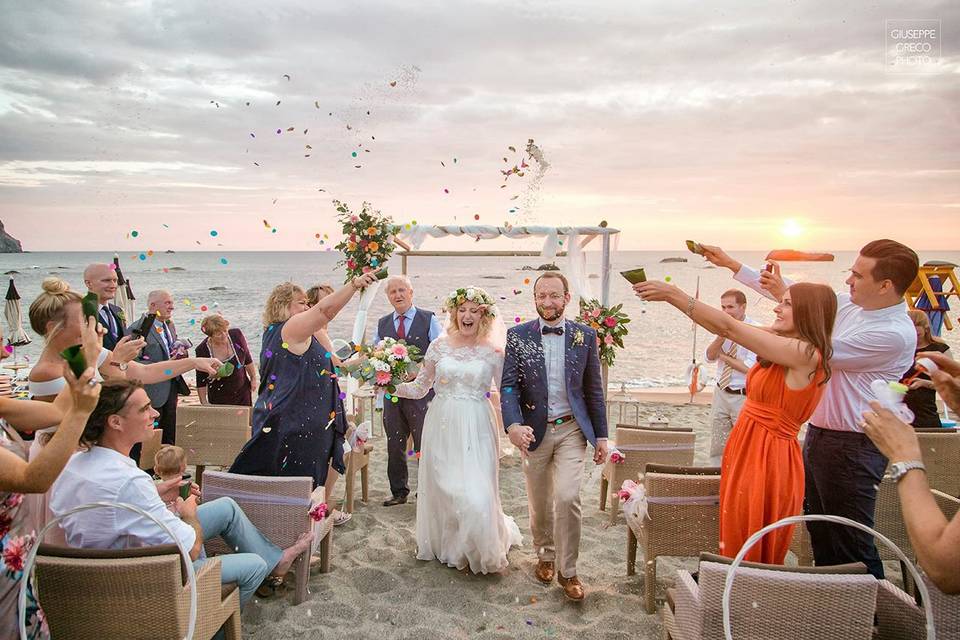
(319, 511)
(386, 364)
(470, 294)
(610, 324)
(367, 241)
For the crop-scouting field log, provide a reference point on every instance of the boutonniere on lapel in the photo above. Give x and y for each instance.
(122, 316)
(578, 338)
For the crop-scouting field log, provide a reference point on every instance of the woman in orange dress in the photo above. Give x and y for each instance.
(761, 474)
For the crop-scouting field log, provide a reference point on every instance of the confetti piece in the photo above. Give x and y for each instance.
(446, 190)
(289, 128)
(267, 429)
(134, 233)
(168, 372)
(268, 353)
(213, 233)
(353, 154)
(285, 345)
(279, 131)
(393, 84)
(278, 103)
(517, 320)
(192, 321)
(342, 395)
(223, 261)
(476, 216)
(252, 135)
(667, 279)
(203, 307)
(316, 103)
(143, 256)
(526, 281)
(603, 224)
(287, 76)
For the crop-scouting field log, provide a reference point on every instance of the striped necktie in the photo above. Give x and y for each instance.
(727, 374)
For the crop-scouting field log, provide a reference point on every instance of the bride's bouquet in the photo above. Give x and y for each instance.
(387, 364)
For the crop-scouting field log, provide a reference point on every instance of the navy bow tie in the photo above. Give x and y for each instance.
(556, 330)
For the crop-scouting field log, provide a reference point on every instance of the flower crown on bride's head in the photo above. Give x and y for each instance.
(470, 294)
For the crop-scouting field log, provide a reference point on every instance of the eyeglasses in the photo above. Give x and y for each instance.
(542, 297)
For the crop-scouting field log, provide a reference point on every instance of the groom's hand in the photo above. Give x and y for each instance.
(600, 454)
(520, 436)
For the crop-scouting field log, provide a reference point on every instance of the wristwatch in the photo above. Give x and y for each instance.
(899, 469)
(120, 365)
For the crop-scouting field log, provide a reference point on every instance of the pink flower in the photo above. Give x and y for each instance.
(15, 552)
(399, 350)
(595, 313)
(626, 489)
(610, 321)
(616, 457)
(351, 264)
(354, 219)
(319, 512)
(13, 500)
(608, 340)
(383, 378)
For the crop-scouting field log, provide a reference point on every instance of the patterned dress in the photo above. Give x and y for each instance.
(18, 530)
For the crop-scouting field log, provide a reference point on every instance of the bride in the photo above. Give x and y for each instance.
(459, 518)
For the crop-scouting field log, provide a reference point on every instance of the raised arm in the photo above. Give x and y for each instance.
(169, 369)
(421, 385)
(788, 352)
(298, 330)
(935, 540)
(38, 475)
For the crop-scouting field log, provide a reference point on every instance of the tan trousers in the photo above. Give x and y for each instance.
(723, 415)
(554, 472)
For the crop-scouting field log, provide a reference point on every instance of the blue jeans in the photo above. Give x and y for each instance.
(255, 556)
(843, 470)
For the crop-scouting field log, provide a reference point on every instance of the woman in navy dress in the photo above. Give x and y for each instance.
(299, 423)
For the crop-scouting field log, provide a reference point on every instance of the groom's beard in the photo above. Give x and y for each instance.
(550, 315)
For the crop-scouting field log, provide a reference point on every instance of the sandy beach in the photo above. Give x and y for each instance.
(378, 589)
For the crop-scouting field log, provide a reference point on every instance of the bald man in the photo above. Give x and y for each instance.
(101, 279)
(159, 342)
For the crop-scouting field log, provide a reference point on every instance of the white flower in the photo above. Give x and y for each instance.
(471, 293)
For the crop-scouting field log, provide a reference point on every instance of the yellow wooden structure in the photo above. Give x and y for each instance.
(949, 284)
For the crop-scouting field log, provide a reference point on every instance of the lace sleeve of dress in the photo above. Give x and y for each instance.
(425, 378)
(497, 358)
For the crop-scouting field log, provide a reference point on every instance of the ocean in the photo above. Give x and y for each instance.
(658, 350)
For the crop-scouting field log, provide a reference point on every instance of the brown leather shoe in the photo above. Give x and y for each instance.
(545, 571)
(572, 587)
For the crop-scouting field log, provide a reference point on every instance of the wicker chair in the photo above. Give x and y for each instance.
(142, 593)
(212, 434)
(889, 517)
(640, 446)
(900, 618)
(768, 601)
(148, 450)
(356, 461)
(278, 507)
(683, 519)
(941, 456)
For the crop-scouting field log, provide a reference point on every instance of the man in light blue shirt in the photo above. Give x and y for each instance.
(403, 418)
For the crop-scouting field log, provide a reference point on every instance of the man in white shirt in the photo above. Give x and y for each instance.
(104, 472)
(733, 363)
(873, 339)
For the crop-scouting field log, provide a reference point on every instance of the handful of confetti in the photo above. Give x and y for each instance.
(387, 364)
(367, 241)
(319, 511)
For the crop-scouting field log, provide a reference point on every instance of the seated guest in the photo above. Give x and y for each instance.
(935, 540)
(921, 398)
(170, 463)
(101, 279)
(104, 472)
(228, 346)
(20, 520)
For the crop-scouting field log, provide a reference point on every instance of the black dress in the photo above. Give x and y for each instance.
(299, 423)
(235, 388)
(923, 402)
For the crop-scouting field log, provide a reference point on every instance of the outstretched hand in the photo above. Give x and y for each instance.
(655, 291)
(772, 281)
(718, 257)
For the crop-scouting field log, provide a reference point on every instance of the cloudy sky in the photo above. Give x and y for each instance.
(752, 124)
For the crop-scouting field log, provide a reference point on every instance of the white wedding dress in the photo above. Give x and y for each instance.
(459, 518)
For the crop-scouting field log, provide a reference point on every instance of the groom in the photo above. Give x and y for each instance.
(552, 403)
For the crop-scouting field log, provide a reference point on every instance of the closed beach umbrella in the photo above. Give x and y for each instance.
(129, 306)
(13, 313)
(124, 293)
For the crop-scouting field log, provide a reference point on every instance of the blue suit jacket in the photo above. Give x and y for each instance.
(523, 388)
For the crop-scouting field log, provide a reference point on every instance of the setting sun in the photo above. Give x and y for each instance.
(791, 228)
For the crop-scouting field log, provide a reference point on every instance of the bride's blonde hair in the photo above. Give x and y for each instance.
(462, 296)
(51, 306)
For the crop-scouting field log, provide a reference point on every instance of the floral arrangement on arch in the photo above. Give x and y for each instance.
(470, 294)
(610, 324)
(367, 241)
(386, 364)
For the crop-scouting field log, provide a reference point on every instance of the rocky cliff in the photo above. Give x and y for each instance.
(8, 244)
